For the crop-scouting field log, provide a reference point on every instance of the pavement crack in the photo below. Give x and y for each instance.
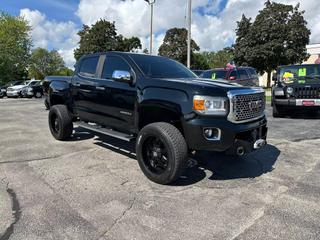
(30, 160)
(43, 158)
(16, 211)
(117, 220)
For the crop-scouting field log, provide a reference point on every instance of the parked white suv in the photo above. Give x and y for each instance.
(15, 91)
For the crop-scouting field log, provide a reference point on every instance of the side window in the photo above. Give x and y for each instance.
(242, 74)
(88, 66)
(233, 75)
(114, 63)
(207, 74)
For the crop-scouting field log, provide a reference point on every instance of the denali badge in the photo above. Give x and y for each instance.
(126, 113)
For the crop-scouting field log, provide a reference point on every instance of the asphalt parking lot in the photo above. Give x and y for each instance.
(92, 188)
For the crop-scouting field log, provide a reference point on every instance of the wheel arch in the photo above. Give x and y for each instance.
(153, 111)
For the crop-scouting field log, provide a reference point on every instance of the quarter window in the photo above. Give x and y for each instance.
(89, 66)
(112, 64)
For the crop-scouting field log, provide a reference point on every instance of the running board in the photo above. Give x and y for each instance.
(106, 131)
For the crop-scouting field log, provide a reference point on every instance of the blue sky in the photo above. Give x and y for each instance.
(58, 10)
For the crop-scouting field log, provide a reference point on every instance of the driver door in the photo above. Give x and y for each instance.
(117, 99)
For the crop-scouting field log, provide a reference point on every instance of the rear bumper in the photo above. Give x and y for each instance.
(231, 134)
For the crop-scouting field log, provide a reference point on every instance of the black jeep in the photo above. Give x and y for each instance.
(296, 89)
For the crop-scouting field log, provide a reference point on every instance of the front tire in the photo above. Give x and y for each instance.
(38, 95)
(60, 122)
(277, 112)
(162, 152)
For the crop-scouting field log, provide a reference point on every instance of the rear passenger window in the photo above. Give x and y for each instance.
(88, 66)
(112, 64)
(242, 74)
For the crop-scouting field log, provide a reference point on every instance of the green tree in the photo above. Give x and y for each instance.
(44, 63)
(15, 45)
(101, 37)
(199, 62)
(219, 59)
(64, 71)
(175, 45)
(278, 36)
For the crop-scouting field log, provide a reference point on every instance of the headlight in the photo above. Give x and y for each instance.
(290, 90)
(30, 89)
(210, 105)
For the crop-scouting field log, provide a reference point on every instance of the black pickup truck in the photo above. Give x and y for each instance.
(161, 105)
(296, 89)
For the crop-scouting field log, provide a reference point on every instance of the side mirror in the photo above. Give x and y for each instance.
(274, 77)
(122, 76)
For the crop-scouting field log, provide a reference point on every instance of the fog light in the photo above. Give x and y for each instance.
(212, 133)
(208, 133)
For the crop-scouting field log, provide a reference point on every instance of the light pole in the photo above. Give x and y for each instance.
(189, 33)
(151, 2)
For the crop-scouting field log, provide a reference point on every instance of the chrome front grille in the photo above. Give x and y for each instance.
(246, 105)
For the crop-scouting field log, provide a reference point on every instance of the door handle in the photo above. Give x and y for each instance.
(77, 84)
(101, 88)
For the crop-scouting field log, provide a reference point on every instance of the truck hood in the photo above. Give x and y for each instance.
(220, 83)
(206, 83)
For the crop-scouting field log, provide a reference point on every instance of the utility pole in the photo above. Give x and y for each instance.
(189, 33)
(151, 2)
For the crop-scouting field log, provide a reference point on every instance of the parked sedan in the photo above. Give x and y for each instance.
(15, 91)
(246, 76)
(3, 88)
(33, 91)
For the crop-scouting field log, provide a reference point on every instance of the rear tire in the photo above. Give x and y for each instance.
(60, 122)
(162, 152)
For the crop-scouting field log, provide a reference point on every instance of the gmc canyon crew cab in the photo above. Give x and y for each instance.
(296, 89)
(161, 105)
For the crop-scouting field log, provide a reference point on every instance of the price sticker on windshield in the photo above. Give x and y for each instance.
(302, 72)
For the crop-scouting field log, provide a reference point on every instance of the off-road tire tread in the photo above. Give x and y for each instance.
(66, 122)
(177, 142)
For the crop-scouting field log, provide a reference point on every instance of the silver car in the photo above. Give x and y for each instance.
(15, 91)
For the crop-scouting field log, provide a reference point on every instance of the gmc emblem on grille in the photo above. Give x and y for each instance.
(255, 105)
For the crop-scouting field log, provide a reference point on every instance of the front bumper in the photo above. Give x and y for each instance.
(293, 103)
(13, 94)
(232, 134)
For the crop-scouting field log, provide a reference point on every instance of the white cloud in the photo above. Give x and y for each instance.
(212, 29)
(61, 36)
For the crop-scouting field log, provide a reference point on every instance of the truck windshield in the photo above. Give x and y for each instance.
(289, 73)
(161, 67)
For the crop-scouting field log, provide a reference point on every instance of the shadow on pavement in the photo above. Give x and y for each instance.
(224, 167)
(221, 166)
